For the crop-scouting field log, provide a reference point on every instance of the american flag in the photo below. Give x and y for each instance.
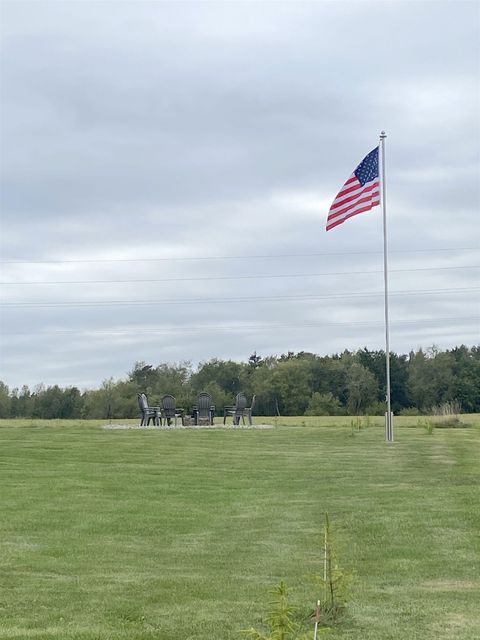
(360, 192)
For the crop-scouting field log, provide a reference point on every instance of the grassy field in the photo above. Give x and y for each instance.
(179, 534)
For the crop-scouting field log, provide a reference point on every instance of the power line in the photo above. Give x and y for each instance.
(354, 294)
(244, 277)
(243, 327)
(246, 257)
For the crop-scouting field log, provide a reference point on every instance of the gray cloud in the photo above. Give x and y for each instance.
(192, 131)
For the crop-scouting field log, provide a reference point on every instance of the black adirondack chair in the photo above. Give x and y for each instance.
(249, 410)
(171, 411)
(238, 410)
(204, 410)
(148, 413)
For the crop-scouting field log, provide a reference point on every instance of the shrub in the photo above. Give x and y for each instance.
(427, 424)
(410, 411)
(324, 404)
(376, 408)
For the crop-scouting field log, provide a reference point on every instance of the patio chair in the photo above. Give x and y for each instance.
(148, 413)
(249, 410)
(238, 411)
(204, 410)
(170, 410)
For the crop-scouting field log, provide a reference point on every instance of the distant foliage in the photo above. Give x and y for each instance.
(410, 411)
(324, 404)
(301, 383)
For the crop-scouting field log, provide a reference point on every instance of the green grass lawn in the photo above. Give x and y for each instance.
(179, 534)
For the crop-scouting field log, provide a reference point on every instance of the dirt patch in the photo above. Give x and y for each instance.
(442, 459)
(172, 427)
(449, 585)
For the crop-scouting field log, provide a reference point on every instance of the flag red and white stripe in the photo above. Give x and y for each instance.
(360, 192)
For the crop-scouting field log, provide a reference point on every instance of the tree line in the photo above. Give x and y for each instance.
(303, 383)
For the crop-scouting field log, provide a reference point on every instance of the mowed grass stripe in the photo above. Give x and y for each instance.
(179, 534)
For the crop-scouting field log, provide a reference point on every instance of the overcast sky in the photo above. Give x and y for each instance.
(167, 169)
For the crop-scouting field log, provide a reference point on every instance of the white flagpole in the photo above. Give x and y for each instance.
(388, 415)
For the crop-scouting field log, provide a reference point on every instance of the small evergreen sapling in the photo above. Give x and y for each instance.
(335, 582)
(280, 619)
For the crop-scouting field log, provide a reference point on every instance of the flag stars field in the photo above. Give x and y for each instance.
(360, 193)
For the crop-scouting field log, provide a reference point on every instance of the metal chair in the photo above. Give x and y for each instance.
(204, 410)
(238, 411)
(148, 413)
(170, 410)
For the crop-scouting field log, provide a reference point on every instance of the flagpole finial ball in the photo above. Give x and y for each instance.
(383, 134)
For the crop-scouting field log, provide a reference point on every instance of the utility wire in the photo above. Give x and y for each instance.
(230, 300)
(246, 257)
(242, 327)
(247, 277)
